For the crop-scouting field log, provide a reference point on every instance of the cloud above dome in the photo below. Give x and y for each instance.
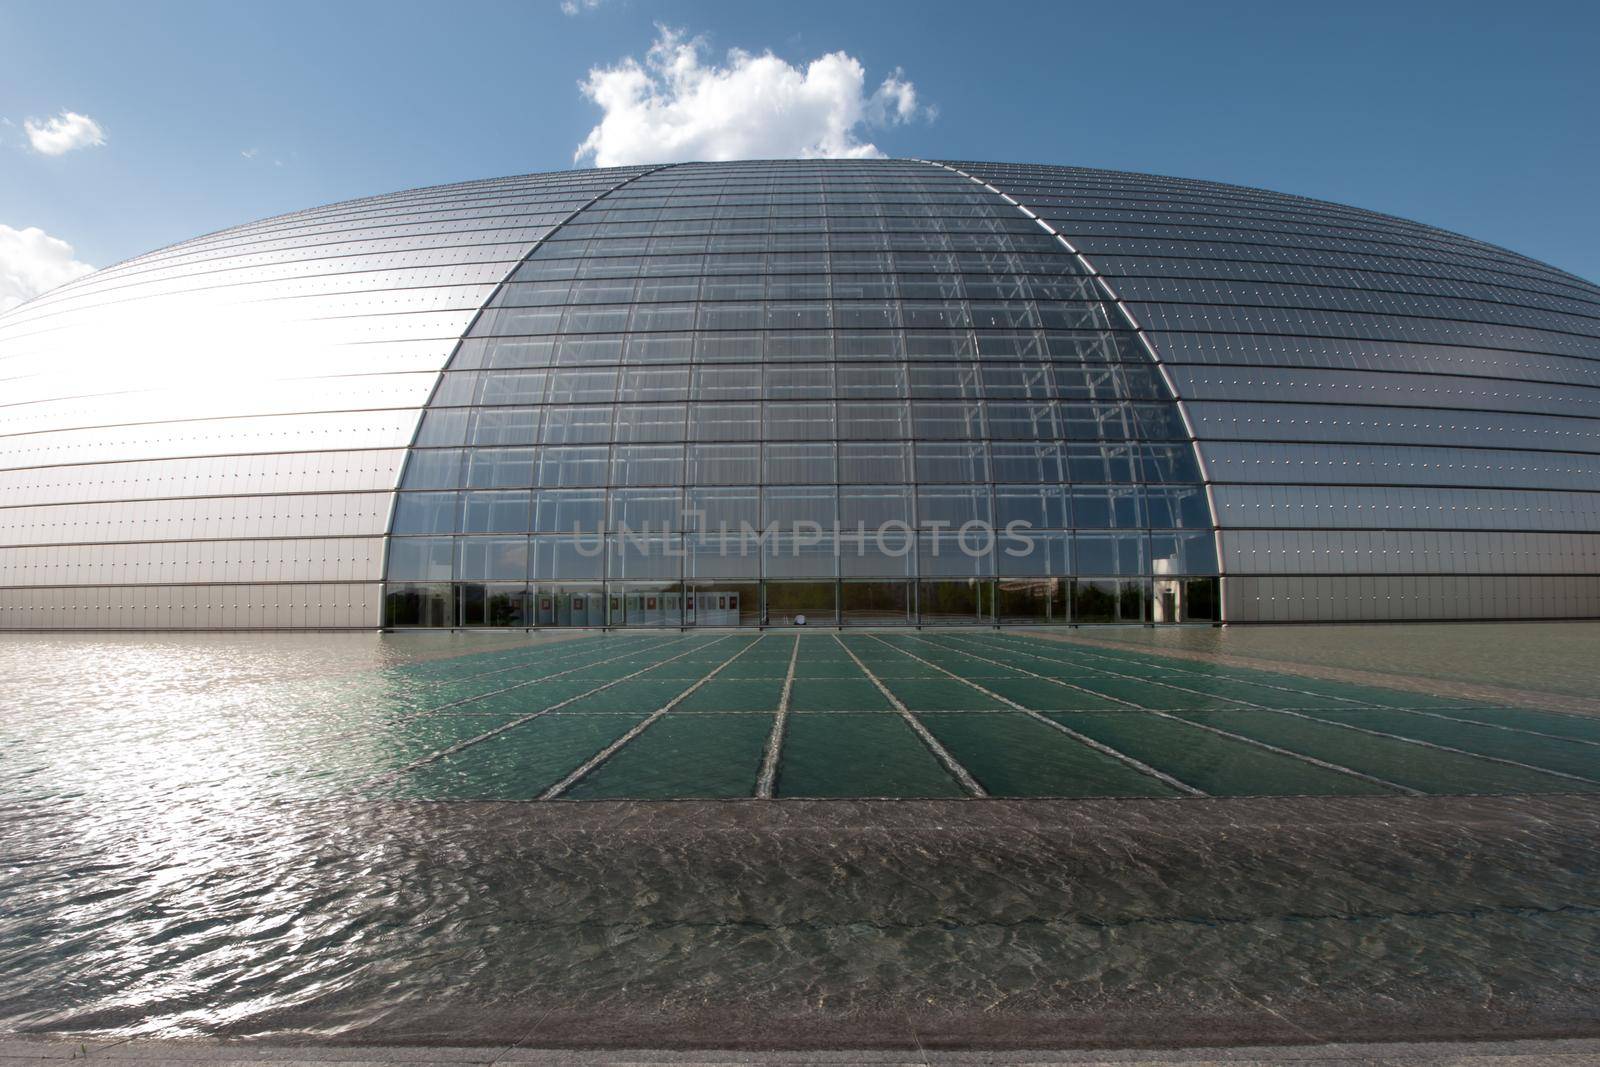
(33, 262)
(680, 105)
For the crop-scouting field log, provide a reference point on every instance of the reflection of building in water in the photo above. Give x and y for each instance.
(1201, 401)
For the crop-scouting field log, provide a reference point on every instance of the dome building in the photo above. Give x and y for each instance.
(856, 392)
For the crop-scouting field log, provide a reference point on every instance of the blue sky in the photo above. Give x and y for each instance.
(1478, 118)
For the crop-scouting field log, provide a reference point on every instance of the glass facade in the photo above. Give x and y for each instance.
(866, 393)
(1396, 422)
(209, 436)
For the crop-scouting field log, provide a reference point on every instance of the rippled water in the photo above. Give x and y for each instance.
(182, 852)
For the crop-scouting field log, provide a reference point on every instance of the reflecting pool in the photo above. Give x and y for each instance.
(886, 840)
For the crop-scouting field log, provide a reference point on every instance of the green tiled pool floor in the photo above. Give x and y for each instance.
(948, 714)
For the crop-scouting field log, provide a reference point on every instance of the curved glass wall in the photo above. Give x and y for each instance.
(1392, 416)
(209, 436)
(864, 392)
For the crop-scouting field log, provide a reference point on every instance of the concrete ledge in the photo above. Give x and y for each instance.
(22, 1049)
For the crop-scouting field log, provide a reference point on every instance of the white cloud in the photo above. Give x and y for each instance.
(677, 106)
(573, 7)
(32, 262)
(63, 133)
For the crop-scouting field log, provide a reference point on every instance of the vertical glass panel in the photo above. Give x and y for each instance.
(1102, 463)
(1023, 420)
(1031, 601)
(654, 383)
(798, 463)
(1183, 553)
(643, 348)
(952, 505)
(798, 421)
(647, 465)
(512, 387)
(939, 344)
(1107, 600)
(1170, 463)
(1111, 553)
(505, 426)
(804, 554)
(425, 513)
(722, 603)
(813, 382)
(854, 344)
(725, 422)
(727, 383)
(955, 603)
(1020, 380)
(568, 558)
(1034, 506)
(647, 510)
(492, 558)
(800, 603)
(788, 505)
(491, 468)
(891, 603)
(563, 467)
(502, 605)
(1109, 507)
(1024, 552)
(419, 605)
(952, 462)
(800, 344)
(645, 604)
(934, 420)
(421, 558)
(582, 386)
(650, 422)
(636, 555)
(1181, 506)
(966, 555)
(873, 507)
(723, 508)
(433, 469)
(577, 425)
(724, 464)
(443, 426)
(883, 380)
(873, 419)
(494, 512)
(874, 463)
(569, 511)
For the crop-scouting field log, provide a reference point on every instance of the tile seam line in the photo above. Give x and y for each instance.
(1150, 350)
(461, 339)
(1251, 705)
(951, 765)
(1401, 683)
(1360, 705)
(1083, 739)
(1251, 742)
(395, 775)
(767, 781)
(599, 759)
(616, 656)
(535, 655)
